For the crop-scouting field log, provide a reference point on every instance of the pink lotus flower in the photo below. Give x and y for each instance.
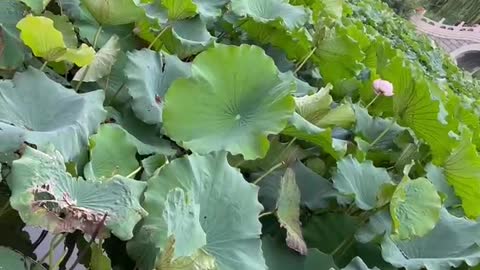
(382, 87)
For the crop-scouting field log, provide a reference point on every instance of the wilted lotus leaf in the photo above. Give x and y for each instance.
(44, 112)
(46, 195)
(202, 213)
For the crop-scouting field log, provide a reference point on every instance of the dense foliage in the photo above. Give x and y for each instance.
(455, 11)
(236, 134)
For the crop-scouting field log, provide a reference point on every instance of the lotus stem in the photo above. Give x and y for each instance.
(305, 60)
(267, 173)
(94, 235)
(372, 101)
(382, 134)
(56, 243)
(132, 174)
(43, 66)
(157, 37)
(264, 214)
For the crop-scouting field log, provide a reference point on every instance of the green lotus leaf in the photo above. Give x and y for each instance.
(210, 10)
(187, 37)
(147, 138)
(436, 175)
(149, 75)
(113, 12)
(45, 195)
(10, 259)
(272, 10)
(48, 113)
(451, 243)
(99, 260)
(111, 153)
(279, 257)
(415, 208)
(302, 129)
(226, 106)
(338, 58)
(317, 109)
(361, 181)
(285, 153)
(415, 107)
(11, 138)
(316, 192)
(37, 6)
(358, 264)
(12, 50)
(207, 208)
(296, 44)
(369, 128)
(103, 63)
(378, 224)
(462, 170)
(63, 24)
(180, 9)
(288, 211)
(39, 33)
(151, 164)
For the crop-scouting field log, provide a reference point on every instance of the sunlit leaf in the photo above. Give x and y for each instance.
(10, 259)
(40, 35)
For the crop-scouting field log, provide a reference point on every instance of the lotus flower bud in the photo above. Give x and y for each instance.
(382, 87)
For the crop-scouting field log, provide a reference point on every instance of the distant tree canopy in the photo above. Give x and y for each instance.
(455, 11)
(405, 8)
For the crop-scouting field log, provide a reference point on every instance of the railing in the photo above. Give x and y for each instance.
(439, 29)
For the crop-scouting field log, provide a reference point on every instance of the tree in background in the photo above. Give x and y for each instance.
(406, 8)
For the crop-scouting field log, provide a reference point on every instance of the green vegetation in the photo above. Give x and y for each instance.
(455, 11)
(234, 134)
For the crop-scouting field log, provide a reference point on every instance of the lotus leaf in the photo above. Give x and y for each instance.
(149, 75)
(48, 113)
(48, 43)
(361, 181)
(113, 12)
(233, 100)
(46, 195)
(207, 208)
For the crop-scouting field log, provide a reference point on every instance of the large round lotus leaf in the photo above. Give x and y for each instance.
(113, 12)
(45, 195)
(149, 75)
(451, 243)
(415, 208)
(207, 209)
(112, 152)
(361, 181)
(233, 100)
(266, 11)
(49, 113)
(11, 260)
